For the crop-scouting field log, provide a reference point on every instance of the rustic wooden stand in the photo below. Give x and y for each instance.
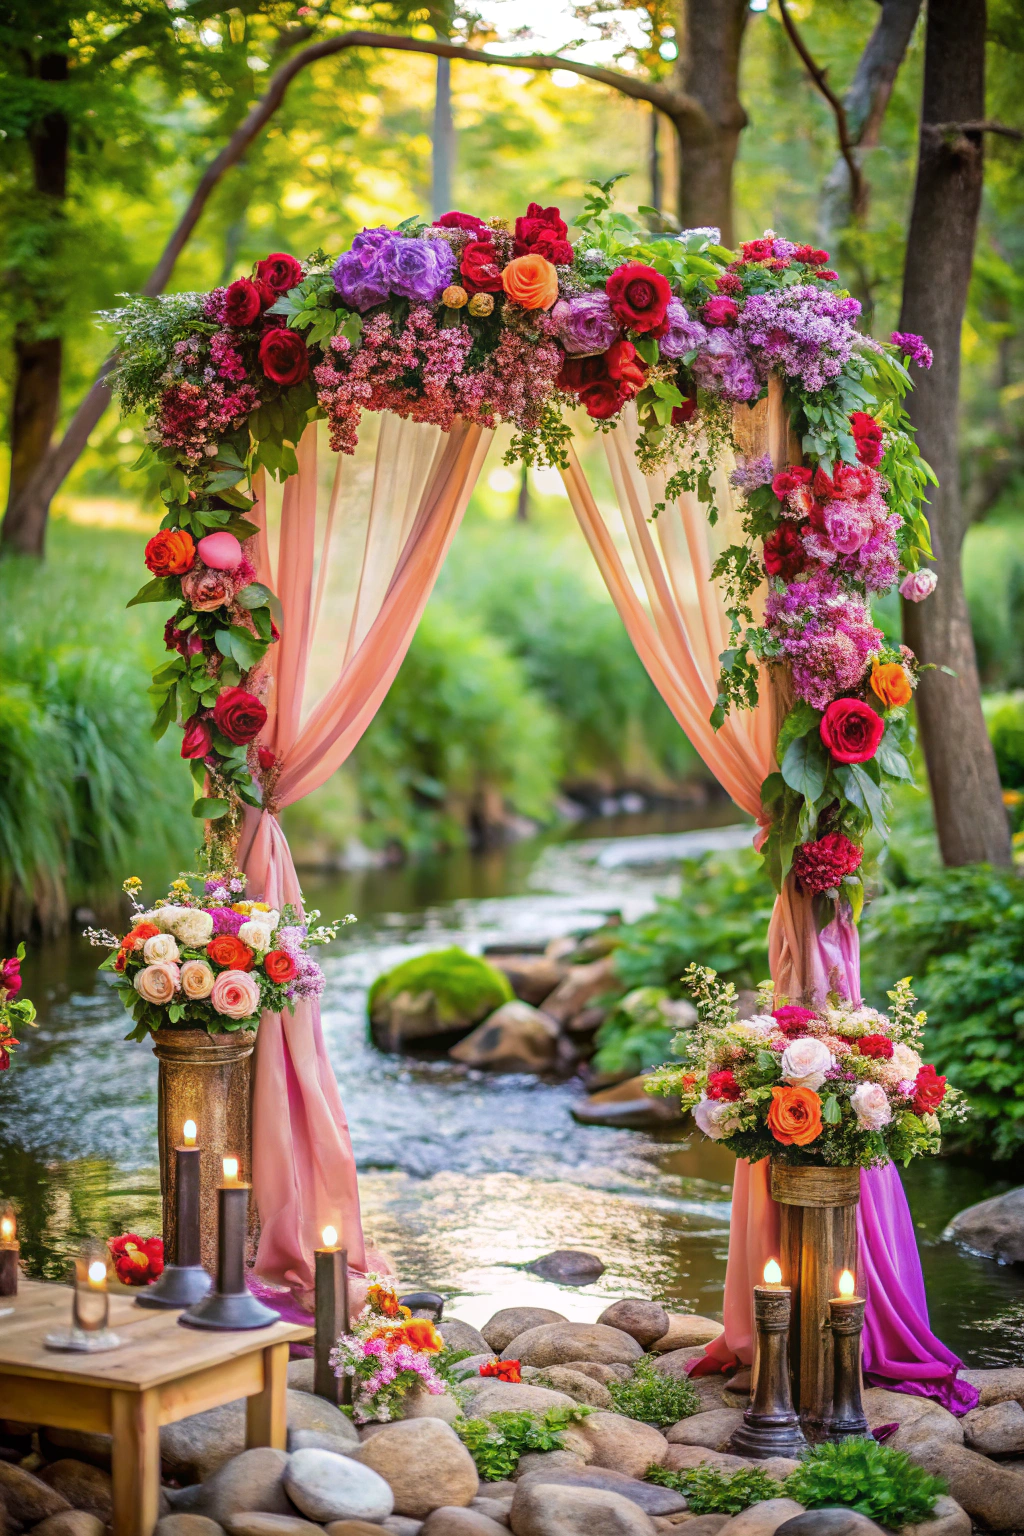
(818, 1222)
(161, 1374)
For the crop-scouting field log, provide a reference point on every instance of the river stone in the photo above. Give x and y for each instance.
(300, 1374)
(994, 1228)
(605, 1374)
(460, 1335)
(682, 1458)
(707, 1525)
(645, 1321)
(78, 1522)
(713, 1429)
(650, 1498)
(317, 1440)
(82, 1444)
(328, 1487)
(677, 1362)
(813, 1522)
(579, 986)
(486, 1395)
(308, 1412)
(556, 1343)
(252, 1523)
(948, 1520)
(495, 1509)
(568, 1266)
(514, 1038)
(560, 1378)
(397, 1525)
(921, 1419)
(684, 1331)
(997, 1385)
(424, 1462)
(372, 1528)
(531, 977)
(84, 1486)
(628, 1105)
(995, 1431)
(192, 1449)
(623, 1444)
(418, 1403)
(547, 1509)
(26, 1498)
(185, 1525)
(190, 1500)
(504, 1490)
(251, 1481)
(452, 1521)
(510, 1322)
(993, 1495)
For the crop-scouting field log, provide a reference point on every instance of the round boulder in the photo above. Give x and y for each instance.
(460, 1335)
(328, 1487)
(510, 1322)
(87, 1487)
(424, 1463)
(28, 1499)
(568, 1266)
(580, 1387)
(819, 1522)
(713, 1429)
(557, 1343)
(485, 1395)
(624, 1445)
(548, 1509)
(645, 1321)
(685, 1331)
(76, 1522)
(251, 1481)
(452, 1521)
(514, 1038)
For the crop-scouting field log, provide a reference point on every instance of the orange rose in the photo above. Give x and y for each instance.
(171, 552)
(532, 281)
(891, 684)
(139, 934)
(794, 1117)
(229, 951)
(418, 1333)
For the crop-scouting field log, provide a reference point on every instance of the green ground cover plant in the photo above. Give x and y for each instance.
(709, 1492)
(497, 1443)
(653, 1397)
(860, 1474)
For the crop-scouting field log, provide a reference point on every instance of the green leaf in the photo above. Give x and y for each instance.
(245, 647)
(164, 717)
(209, 808)
(805, 766)
(830, 1111)
(891, 758)
(800, 721)
(255, 595)
(162, 589)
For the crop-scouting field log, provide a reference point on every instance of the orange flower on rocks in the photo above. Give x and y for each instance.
(504, 1370)
(532, 281)
(383, 1300)
(889, 682)
(794, 1116)
(171, 552)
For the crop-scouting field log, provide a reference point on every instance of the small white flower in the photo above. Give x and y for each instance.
(160, 947)
(805, 1062)
(165, 917)
(256, 935)
(871, 1106)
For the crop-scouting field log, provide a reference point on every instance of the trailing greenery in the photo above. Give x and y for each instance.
(859, 1474)
(463, 985)
(654, 1397)
(497, 1443)
(709, 1492)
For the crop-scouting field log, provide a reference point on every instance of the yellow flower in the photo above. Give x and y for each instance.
(259, 906)
(133, 883)
(1012, 797)
(481, 304)
(245, 907)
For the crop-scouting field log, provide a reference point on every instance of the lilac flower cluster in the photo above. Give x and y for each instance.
(309, 979)
(914, 347)
(585, 324)
(826, 632)
(725, 367)
(751, 476)
(382, 264)
(804, 332)
(683, 333)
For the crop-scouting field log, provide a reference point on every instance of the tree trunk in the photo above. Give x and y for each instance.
(710, 34)
(969, 813)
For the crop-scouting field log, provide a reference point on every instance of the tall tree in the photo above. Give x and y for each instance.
(969, 813)
(709, 35)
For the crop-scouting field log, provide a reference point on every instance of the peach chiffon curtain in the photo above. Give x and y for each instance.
(353, 578)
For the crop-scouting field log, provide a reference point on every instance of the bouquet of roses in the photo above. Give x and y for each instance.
(841, 1085)
(388, 1352)
(137, 1260)
(14, 1012)
(214, 960)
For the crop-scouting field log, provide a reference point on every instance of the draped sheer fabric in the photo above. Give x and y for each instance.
(353, 562)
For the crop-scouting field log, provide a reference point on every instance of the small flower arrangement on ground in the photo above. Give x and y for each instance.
(388, 1352)
(841, 1085)
(15, 1012)
(213, 960)
(502, 1370)
(137, 1260)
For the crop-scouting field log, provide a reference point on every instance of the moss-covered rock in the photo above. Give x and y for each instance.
(445, 992)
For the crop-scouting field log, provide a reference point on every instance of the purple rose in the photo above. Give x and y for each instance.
(226, 921)
(361, 275)
(585, 324)
(419, 269)
(683, 334)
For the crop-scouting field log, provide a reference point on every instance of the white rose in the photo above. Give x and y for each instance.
(906, 1063)
(715, 1117)
(165, 917)
(269, 918)
(160, 947)
(871, 1106)
(256, 935)
(805, 1062)
(193, 927)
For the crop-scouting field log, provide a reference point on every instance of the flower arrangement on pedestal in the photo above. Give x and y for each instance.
(388, 1352)
(842, 1085)
(212, 961)
(15, 1011)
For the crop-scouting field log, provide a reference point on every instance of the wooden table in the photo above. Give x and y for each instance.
(162, 1373)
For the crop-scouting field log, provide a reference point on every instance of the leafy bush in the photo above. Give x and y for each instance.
(878, 1482)
(717, 1493)
(464, 986)
(497, 1443)
(1004, 715)
(654, 1397)
(635, 1034)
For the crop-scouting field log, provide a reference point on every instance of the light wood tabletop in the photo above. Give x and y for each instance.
(162, 1373)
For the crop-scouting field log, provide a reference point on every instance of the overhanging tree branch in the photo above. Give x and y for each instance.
(858, 186)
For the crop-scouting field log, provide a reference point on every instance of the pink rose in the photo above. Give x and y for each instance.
(206, 589)
(157, 984)
(805, 1062)
(918, 585)
(871, 1106)
(235, 994)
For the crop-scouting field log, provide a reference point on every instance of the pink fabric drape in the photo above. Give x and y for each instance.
(355, 634)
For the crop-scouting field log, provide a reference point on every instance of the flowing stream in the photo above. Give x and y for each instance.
(464, 1177)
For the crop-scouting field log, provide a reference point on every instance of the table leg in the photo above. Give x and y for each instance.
(266, 1412)
(135, 1426)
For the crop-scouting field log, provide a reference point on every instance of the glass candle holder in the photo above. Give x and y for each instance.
(91, 1306)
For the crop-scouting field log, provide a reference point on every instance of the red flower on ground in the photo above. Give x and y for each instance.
(793, 1020)
(784, 553)
(930, 1091)
(756, 250)
(720, 312)
(171, 552)
(723, 1085)
(279, 272)
(867, 434)
(242, 303)
(227, 950)
(279, 966)
(479, 267)
(284, 356)
(878, 1047)
(821, 866)
(197, 739)
(239, 715)
(504, 1370)
(543, 232)
(851, 730)
(639, 296)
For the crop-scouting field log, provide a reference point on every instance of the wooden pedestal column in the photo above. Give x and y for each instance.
(818, 1211)
(208, 1079)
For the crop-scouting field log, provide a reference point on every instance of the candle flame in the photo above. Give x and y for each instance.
(846, 1285)
(330, 1237)
(97, 1272)
(772, 1273)
(188, 1133)
(231, 1169)
(7, 1229)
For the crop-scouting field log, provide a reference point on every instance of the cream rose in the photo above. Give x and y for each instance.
(715, 1117)
(256, 935)
(166, 917)
(159, 948)
(157, 984)
(805, 1062)
(905, 1063)
(871, 1106)
(196, 980)
(235, 994)
(192, 927)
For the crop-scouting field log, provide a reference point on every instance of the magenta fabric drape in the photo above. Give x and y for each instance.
(352, 587)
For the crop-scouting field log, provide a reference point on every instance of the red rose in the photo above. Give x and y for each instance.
(930, 1090)
(681, 414)
(853, 483)
(816, 258)
(279, 966)
(793, 1020)
(284, 356)
(265, 758)
(723, 1085)
(867, 434)
(720, 312)
(621, 364)
(851, 730)
(639, 296)
(279, 272)
(878, 1047)
(784, 553)
(577, 372)
(239, 715)
(543, 233)
(479, 268)
(602, 399)
(756, 250)
(229, 951)
(788, 479)
(170, 552)
(242, 303)
(456, 220)
(196, 741)
(828, 277)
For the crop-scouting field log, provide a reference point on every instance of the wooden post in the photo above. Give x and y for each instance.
(135, 1464)
(266, 1412)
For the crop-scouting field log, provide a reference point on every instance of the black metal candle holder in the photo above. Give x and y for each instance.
(185, 1282)
(770, 1425)
(231, 1305)
(846, 1316)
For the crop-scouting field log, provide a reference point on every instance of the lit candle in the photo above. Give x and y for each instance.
(773, 1274)
(10, 1251)
(770, 1425)
(91, 1305)
(230, 1167)
(230, 1304)
(188, 1133)
(846, 1318)
(331, 1277)
(184, 1280)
